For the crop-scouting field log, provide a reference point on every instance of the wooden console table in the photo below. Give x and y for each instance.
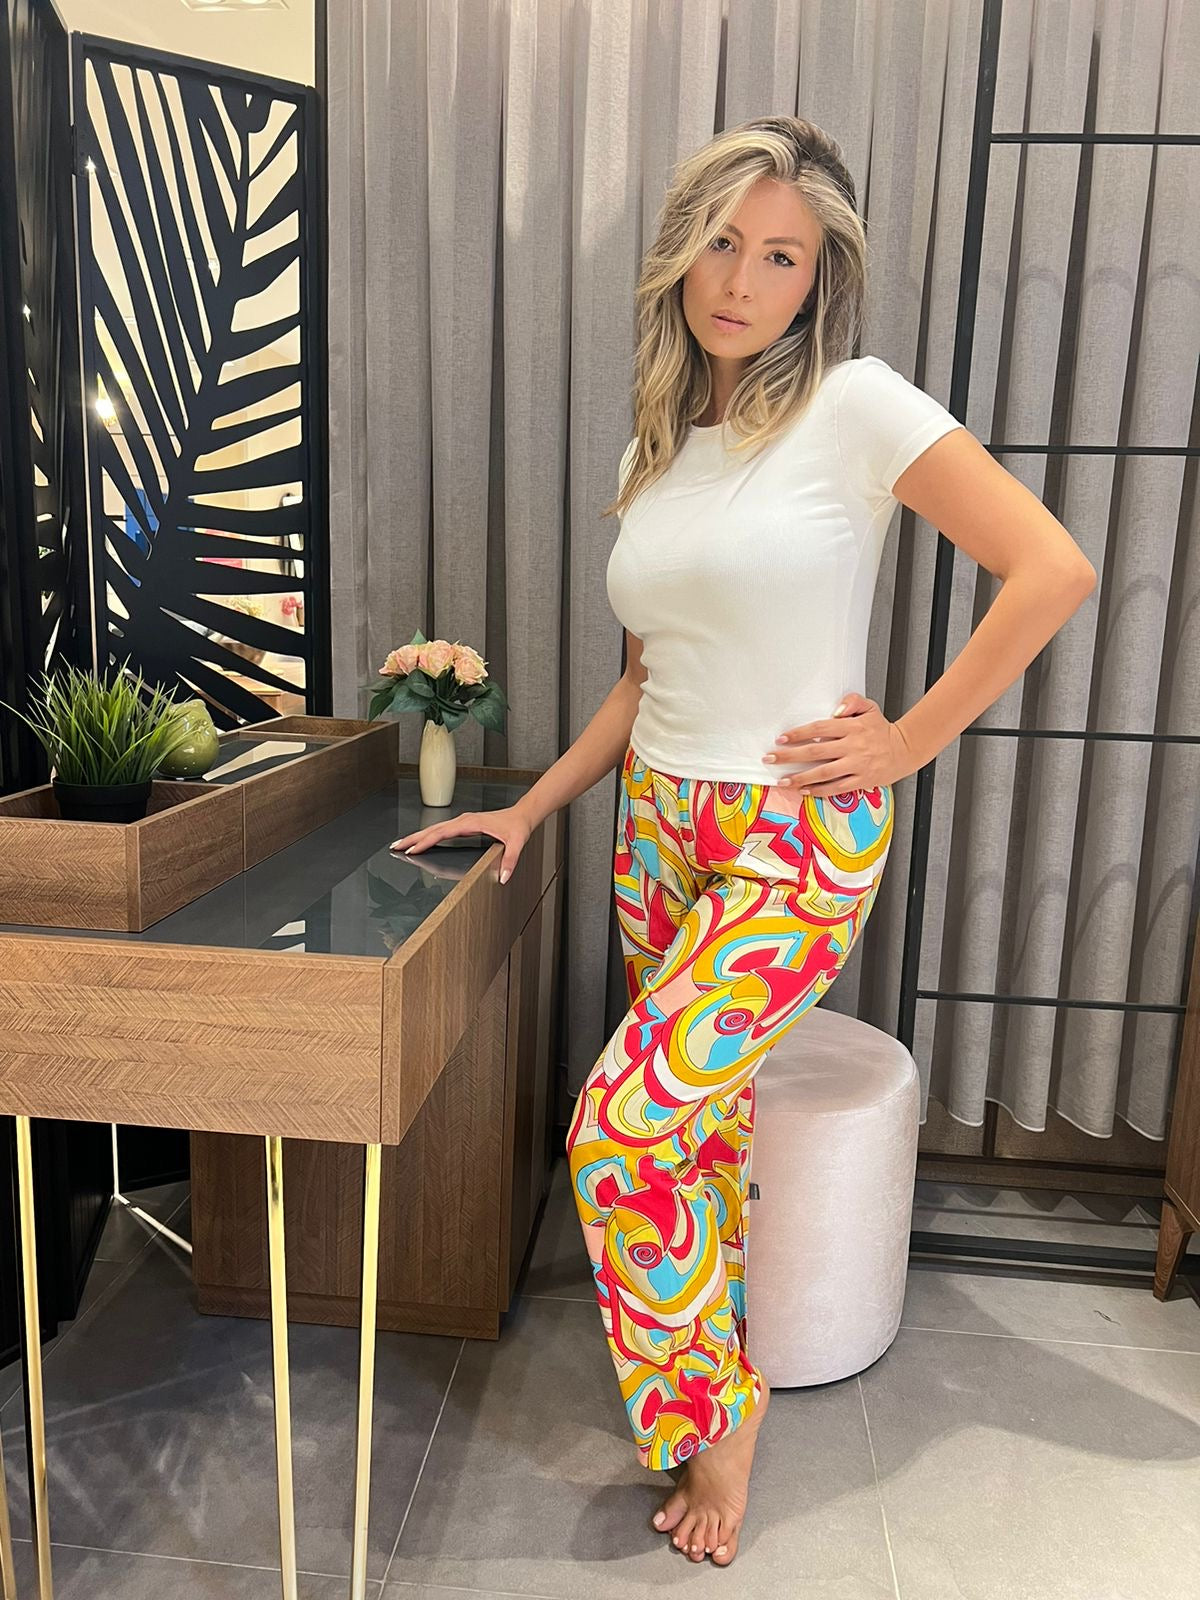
(384, 1022)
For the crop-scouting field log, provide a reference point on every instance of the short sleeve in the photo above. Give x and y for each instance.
(883, 423)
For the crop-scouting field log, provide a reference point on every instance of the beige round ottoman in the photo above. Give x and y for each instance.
(832, 1174)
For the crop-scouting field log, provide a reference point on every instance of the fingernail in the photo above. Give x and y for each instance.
(782, 739)
(840, 709)
(504, 876)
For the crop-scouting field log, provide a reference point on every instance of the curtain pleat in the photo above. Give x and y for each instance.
(496, 170)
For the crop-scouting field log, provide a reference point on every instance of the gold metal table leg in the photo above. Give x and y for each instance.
(279, 1354)
(38, 1507)
(366, 1370)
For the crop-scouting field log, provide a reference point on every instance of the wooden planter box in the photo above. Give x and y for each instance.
(126, 876)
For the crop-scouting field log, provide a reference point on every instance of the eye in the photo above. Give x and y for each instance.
(723, 238)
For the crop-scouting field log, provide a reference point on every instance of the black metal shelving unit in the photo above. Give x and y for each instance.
(1093, 1259)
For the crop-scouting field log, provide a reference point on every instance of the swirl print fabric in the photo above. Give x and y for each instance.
(738, 904)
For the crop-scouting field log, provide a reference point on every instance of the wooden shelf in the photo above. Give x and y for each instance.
(197, 834)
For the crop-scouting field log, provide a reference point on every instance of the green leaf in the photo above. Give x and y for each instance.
(403, 700)
(380, 703)
(490, 713)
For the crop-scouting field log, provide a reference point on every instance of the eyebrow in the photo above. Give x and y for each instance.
(731, 229)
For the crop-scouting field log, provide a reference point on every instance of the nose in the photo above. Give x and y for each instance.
(738, 281)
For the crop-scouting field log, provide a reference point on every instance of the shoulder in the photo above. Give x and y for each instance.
(866, 375)
(867, 388)
(882, 422)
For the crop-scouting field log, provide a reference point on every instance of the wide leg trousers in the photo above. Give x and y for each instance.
(738, 904)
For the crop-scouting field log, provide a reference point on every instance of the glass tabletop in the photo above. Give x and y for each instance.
(244, 755)
(337, 891)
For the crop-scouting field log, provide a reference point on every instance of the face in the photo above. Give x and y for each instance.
(759, 270)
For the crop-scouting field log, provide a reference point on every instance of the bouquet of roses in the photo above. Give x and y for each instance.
(447, 682)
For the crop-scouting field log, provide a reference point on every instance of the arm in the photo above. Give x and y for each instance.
(962, 490)
(599, 748)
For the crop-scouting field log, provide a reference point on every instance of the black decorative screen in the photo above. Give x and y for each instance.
(197, 215)
(45, 601)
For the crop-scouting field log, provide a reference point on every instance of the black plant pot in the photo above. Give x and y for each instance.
(102, 802)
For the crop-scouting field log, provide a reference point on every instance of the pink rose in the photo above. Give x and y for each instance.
(435, 657)
(399, 662)
(468, 665)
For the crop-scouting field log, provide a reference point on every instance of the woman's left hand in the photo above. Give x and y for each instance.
(857, 748)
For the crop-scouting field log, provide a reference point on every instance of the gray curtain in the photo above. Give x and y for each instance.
(495, 169)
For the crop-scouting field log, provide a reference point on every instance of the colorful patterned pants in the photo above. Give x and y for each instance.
(738, 904)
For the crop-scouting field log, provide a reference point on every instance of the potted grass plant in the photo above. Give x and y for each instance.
(104, 739)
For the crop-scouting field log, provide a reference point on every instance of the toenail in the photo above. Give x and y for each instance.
(659, 1518)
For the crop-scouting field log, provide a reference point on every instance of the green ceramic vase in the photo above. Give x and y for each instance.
(195, 755)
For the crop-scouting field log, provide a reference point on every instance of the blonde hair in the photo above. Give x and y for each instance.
(672, 379)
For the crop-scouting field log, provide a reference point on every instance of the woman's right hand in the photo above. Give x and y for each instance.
(509, 825)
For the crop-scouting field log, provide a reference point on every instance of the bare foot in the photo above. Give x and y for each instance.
(704, 1512)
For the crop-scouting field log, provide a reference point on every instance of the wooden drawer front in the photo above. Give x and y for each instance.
(176, 1037)
(440, 1201)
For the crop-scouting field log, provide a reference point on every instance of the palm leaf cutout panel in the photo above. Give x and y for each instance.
(197, 357)
(39, 58)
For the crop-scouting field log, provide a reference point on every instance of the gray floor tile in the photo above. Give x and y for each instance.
(1039, 1306)
(101, 1278)
(558, 1263)
(1034, 1437)
(1018, 1470)
(532, 1485)
(126, 1234)
(114, 1258)
(114, 1575)
(437, 1591)
(102, 1275)
(160, 1428)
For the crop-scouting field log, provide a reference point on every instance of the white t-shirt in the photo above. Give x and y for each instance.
(750, 583)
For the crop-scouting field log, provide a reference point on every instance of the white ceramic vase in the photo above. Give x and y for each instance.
(437, 764)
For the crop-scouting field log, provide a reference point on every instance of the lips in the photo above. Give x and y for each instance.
(730, 321)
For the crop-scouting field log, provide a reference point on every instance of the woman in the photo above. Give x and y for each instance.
(755, 495)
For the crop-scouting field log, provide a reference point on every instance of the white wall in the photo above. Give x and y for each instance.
(277, 42)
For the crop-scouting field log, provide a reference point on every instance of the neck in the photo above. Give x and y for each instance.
(724, 375)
